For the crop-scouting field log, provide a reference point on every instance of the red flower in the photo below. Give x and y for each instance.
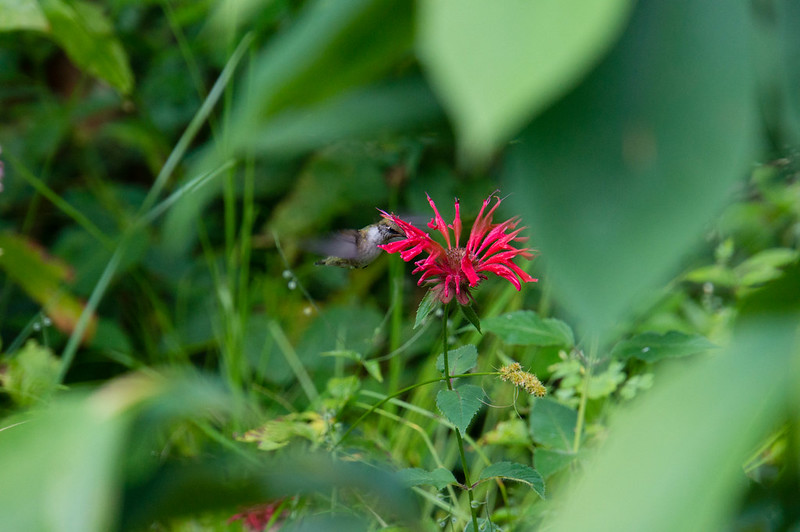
(256, 518)
(454, 270)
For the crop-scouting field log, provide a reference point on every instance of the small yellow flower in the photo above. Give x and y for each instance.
(523, 379)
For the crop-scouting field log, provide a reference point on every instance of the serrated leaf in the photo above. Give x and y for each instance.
(428, 304)
(439, 478)
(471, 316)
(525, 327)
(459, 360)
(88, 39)
(553, 424)
(518, 472)
(459, 406)
(527, 55)
(652, 347)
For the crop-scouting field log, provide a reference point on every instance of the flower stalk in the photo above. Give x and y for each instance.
(464, 466)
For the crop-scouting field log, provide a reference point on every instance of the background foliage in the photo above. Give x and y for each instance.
(171, 356)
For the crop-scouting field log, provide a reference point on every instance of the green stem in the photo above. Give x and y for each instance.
(464, 466)
(587, 377)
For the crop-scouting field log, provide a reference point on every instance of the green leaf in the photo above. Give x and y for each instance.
(331, 48)
(373, 367)
(764, 266)
(553, 424)
(87, 37)
(21, 15)
(439, 478)
(459, 360)
(551, 461)
(652, 347)
(279, 432)
(513, 471)
(30, 375)
(459, 406)
(44, 279)
(528, 54)
(525, 327)
(675, 459)
(471, 316)
(428, 304)
(621, 178)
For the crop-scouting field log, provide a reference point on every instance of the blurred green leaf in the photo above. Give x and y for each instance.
(372, 110)
(43, 278)
(278, 432)
(30, 375)
(471, 316)
(622, 175)
(525, 327)
(518, 472)
(439, 478)
(460, 405)
(21, 15)
(764, 266)
(460, 360)
(551, 461)
(511, 432)
(694, 430)
(553, 424)
(88, 39)
(652, 347)
(428, 304)
(332, 47)
(496, 64)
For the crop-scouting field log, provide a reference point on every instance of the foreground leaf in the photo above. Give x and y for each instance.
(528, 53)
(621, 176)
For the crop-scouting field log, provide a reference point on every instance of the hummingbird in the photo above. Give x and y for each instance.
(357, 248)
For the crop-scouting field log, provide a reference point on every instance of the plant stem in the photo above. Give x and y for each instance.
(473, 512)
(587, 377)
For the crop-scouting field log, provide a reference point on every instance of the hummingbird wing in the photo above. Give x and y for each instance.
(343, 244)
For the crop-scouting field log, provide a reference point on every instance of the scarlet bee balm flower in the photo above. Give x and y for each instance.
(454, 270)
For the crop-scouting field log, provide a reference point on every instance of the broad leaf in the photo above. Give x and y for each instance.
(651, 347)
(621, 176)
(519, 472)
(459, 406)
(439, 478)
(459, 360)
(525, 327)
(495, 64)
(553, 424)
